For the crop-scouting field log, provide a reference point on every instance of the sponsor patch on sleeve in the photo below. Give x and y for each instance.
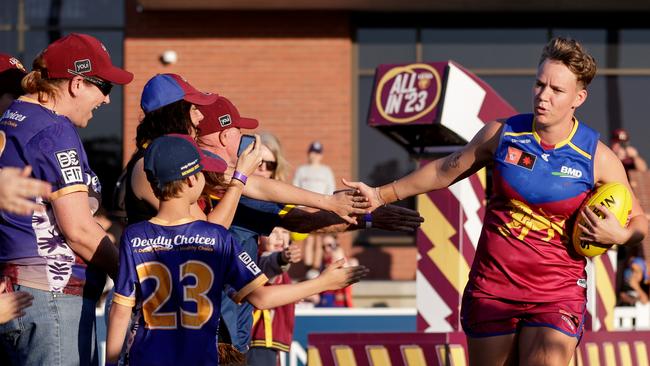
(249, 263)
(70, 166)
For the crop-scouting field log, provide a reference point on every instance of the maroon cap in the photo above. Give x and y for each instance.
(8, 62)
(619, 135)
(222, 115)
(81, 54)
(12, 73)
(209, 163)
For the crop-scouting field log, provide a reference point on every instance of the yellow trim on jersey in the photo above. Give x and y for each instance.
(123, 300)
(580, 151)
(285, 210)
(566, 141)
(281, 346)
(517, 133)
(67, 190)
(254, 284)
(268, 326)
(28, 99)
(161, 222)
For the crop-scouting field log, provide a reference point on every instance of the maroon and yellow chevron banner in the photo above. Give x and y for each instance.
(446, 245)
(441, 349)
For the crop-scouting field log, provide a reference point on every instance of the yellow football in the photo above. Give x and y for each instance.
(617, 198)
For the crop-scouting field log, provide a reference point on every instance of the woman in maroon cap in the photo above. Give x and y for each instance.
(170, 106)
(59, 255)
(629, 155)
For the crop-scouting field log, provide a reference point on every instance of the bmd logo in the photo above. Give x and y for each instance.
(407, 93)
(566, 172)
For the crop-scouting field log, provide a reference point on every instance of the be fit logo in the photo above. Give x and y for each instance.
(407, 93)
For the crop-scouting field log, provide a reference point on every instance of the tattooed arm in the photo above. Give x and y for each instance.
(440, 173)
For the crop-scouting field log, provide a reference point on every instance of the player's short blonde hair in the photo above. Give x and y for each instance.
(571, 53)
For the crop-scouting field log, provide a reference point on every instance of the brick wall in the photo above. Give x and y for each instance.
(290, 70)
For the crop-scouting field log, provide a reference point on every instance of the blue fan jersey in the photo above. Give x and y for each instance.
(175, 274)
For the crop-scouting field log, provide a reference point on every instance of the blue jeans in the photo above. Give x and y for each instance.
(57, 330)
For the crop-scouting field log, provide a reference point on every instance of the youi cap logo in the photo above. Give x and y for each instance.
(14, 61)
(225, 120)
(83, 66)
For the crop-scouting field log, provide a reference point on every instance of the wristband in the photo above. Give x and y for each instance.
(281, 261)
(368, 220)
(240, 177)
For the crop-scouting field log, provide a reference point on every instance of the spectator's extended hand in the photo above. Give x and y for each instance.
(292, 253)
(370, 193)
(396, 218)
(12, 304)
(17, 190)
(336, 276)
(346, 203)
(250, 158)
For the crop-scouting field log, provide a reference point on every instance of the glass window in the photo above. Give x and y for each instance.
(634, 49)
(594, 40)
(8, 12)
(386, 46)
(484, 48)
(75, 13)
(634, 111)
(516, 90)
(594, 111)
(381, 160)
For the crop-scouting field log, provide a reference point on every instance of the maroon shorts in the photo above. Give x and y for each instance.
(488, 316)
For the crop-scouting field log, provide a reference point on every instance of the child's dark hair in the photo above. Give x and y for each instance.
(172, 118)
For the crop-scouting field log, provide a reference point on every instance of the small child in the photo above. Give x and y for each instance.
(333, 252)
(173, 268)
(273, 329)
(636, 282)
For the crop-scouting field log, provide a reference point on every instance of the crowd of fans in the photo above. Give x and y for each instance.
(188, 177)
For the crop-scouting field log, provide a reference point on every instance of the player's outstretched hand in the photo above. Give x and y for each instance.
(396, 218)
(250, 158)
(337, 276)
(347, 203)
(370, 193)
(17, 190)
(12, 304)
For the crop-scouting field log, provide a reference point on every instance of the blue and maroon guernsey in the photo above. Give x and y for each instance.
(524, 253)
(175, 275)
(33, 252)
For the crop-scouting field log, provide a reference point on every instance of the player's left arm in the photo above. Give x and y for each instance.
(608, 168)
(118, 324)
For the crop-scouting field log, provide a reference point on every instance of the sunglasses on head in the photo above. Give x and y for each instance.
(104, 86)
(269, 165)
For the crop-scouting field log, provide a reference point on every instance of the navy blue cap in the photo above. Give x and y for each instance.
(176, 157)
(316, 147)
(164, 89)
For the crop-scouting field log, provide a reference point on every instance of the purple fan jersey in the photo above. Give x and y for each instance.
(33, 251)
(174, 275)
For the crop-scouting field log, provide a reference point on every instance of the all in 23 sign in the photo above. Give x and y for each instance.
(406, 94)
